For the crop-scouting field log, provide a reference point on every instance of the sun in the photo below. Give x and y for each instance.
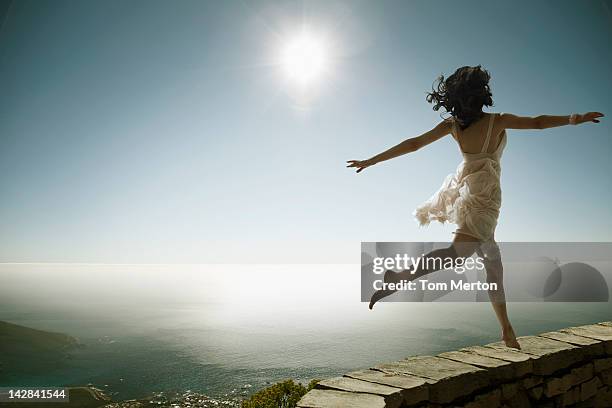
(305, 58)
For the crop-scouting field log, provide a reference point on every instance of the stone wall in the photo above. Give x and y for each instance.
(567, 368)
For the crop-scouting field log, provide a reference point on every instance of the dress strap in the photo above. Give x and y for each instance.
(485, 146)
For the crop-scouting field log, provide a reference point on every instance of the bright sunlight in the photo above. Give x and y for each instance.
(305, 58)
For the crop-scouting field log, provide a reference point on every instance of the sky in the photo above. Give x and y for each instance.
(166, 132)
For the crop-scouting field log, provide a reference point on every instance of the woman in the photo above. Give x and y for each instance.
(471, 198)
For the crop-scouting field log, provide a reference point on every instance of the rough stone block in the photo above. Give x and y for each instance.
(606, 377)
(582, 373)
(392, 395)
(602, 364)
(532, 381)
(556, 386)
(586, 404)
(339, 399)
(447, 379)
(570, 397)
(520, 400)
(535, 393)
(488, 400)
(603, 399)
(589, 388)
(509, 390)
(559, 385)
(414, 389)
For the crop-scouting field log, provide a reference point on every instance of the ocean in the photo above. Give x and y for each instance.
(230, 330)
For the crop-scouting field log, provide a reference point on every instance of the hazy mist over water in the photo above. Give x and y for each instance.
(218, 328)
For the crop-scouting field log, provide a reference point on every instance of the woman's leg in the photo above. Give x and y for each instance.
(463, 246)
(495, 274)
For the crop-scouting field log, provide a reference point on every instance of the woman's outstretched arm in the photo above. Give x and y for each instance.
(510, 121)
(407, 146)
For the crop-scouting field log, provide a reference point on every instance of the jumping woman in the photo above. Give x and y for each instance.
(470, 198)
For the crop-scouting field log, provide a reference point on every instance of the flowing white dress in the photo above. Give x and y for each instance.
(470, 198)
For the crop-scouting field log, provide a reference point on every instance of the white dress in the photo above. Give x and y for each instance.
(470, 198)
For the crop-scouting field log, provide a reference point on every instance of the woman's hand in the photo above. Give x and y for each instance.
(589, 117)
(360, 164)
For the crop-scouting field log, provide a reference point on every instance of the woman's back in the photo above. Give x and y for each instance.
(473, 139)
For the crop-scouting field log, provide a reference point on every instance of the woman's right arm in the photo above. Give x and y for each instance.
(510, 121)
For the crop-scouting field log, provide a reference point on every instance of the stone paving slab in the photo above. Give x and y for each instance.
(498, 369)
(548, 355)
(414, 388)
(340, 399)
(589, 346)
(522, 363)
(602, 332)
(392, 395)
(570, 338)
(447, 379)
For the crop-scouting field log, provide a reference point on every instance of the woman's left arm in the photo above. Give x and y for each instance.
(407, 146)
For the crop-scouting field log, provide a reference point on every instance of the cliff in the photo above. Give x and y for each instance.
(24, 351)
(15, 338)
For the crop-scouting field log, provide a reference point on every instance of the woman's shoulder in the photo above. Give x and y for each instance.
(498, 115)
(452, 126)
(494, 114)
(451, 122)
(500, 118)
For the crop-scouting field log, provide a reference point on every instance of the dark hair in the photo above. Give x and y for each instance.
(463, 94)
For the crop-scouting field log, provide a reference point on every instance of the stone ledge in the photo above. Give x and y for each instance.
(564, 368)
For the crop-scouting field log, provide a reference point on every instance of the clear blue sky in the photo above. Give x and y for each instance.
(132, 130)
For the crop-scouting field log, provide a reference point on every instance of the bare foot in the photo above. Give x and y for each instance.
(509, 338)
(390, 276)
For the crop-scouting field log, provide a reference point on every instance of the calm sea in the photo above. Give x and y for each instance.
(233, 329)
